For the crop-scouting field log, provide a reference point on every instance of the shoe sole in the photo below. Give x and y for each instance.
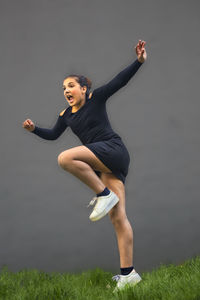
(106, 210)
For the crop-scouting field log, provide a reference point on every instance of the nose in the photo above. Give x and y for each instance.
(66, 92)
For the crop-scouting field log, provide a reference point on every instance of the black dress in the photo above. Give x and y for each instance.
(90, 123)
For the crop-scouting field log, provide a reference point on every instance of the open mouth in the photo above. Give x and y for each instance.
(70, 98)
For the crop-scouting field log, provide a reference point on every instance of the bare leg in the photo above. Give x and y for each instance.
(119, 220)
(81, 162)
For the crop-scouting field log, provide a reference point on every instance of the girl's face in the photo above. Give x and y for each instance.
(73, 92)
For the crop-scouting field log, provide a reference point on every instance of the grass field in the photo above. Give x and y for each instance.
(168, 282)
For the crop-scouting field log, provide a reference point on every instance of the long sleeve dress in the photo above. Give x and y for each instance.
(91, 124)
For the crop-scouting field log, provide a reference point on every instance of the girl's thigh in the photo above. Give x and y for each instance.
(82, 153)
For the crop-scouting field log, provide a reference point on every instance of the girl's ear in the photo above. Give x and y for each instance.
(84, 88)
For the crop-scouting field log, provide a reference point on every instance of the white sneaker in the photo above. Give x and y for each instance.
(126, 280)
(103, 205)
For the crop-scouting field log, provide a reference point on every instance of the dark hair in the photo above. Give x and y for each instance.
(83, 81)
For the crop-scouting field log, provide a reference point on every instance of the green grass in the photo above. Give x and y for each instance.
(165, 283)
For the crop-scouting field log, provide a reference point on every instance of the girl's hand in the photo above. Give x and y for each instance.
(29, 125)
(140, 51)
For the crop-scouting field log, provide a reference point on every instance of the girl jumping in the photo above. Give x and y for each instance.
(102, 161)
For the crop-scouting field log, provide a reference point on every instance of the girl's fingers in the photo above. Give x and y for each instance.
(139, 48)
(27, 124)
(141, 43)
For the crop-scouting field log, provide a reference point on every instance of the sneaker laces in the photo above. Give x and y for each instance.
(116, 278)
(92, 201)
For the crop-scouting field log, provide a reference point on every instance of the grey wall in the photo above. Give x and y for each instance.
(43, 213)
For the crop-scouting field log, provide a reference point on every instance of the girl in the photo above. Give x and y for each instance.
(102, 161)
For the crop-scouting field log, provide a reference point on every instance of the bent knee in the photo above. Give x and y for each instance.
(64, 159)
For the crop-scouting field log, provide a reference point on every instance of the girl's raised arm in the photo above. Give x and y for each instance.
(107, 90)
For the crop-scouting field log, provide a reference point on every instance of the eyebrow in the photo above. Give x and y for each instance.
(69, 82)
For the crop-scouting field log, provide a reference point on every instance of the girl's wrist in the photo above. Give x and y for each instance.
(141, 61)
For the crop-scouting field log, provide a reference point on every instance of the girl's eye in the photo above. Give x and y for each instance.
(70, 86)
